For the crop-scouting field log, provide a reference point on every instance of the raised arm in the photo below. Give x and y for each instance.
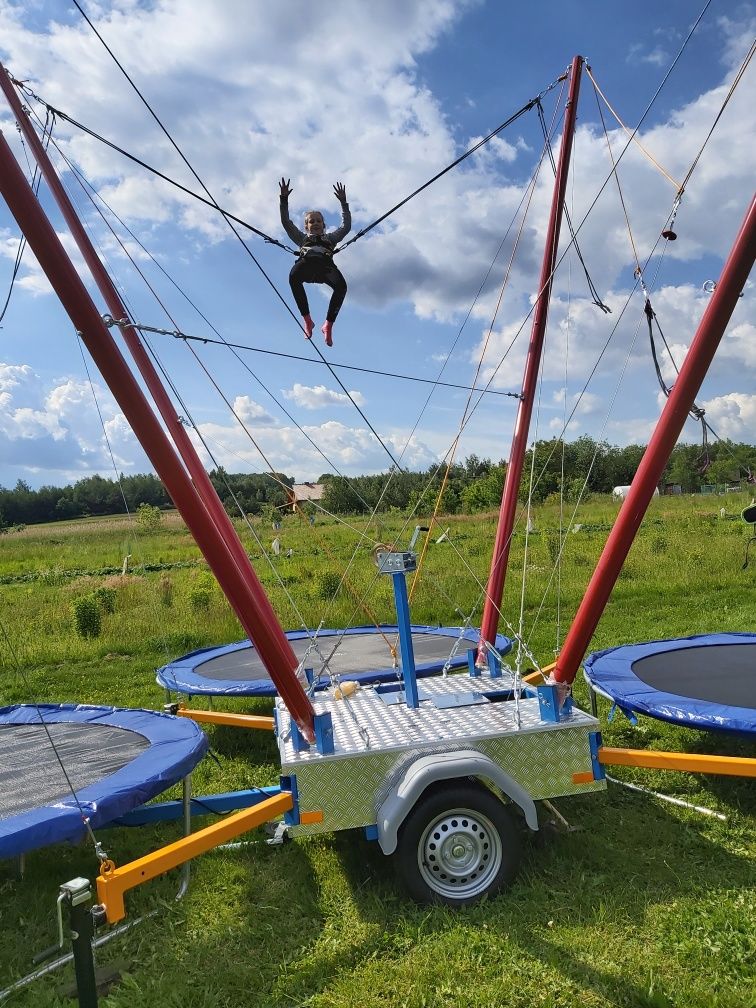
(339, 191)
(293, 232)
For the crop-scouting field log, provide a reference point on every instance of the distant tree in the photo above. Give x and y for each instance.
(484, 494)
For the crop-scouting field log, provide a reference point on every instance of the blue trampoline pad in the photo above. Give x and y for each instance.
(704, 682)
(363, 654)
(114, 759)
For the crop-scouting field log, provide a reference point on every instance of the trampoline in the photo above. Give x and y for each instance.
(115, 759)
(237, 670)
(704, 682)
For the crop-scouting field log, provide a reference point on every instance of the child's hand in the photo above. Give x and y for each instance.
(340, 192)
(286, 190)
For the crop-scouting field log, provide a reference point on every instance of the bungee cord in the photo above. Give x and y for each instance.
(508, 122)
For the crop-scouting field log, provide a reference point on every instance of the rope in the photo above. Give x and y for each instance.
(615, 173)
(632, 134)
(508, 122)
(36, 178)
(591, 286)
(450, 455)
(342, 367)
(695, 412)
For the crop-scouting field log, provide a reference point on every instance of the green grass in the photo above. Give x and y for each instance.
(645, 904)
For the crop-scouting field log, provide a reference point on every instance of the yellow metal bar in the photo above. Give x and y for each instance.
(731, 766)
(222, 718)
(536, 678)
(113, 882)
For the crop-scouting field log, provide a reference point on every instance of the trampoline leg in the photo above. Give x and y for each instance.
(594, 702)
(186, 796)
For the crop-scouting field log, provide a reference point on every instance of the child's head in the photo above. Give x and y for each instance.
(314, 223)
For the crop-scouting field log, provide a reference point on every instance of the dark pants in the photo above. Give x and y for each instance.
(321, 270)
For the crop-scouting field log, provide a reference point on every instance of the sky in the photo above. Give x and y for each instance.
(380, 97)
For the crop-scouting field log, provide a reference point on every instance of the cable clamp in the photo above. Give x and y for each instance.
(101, 853)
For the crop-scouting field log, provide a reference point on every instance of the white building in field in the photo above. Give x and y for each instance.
(622, 491)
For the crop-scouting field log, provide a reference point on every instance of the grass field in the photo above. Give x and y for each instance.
(644, 904)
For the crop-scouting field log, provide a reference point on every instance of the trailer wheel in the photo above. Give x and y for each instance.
(457, 845)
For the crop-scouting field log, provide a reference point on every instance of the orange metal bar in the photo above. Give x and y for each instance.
(534, 678)
(306, 818)
(731, 766)
(586, 777)
(113, 882)
(224, 718)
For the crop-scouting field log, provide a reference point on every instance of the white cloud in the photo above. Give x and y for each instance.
(733, 416)
(57, 431)
(348, 450)
(251, 413)
(319, 397)
(639, 54)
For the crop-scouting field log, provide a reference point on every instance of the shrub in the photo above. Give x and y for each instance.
(199, 598)
(87, 616)
(148, 517)
(328, 584)
(106, 598)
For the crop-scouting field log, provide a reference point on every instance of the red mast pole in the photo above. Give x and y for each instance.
(508, 509)
(205, 490)
(82, 311)
(668, 429)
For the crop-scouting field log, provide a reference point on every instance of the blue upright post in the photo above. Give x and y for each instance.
(397, 565)
(405, 638)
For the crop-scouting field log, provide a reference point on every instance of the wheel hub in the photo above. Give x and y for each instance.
(460, 853)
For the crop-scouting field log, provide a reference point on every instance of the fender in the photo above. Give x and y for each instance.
(404, 794)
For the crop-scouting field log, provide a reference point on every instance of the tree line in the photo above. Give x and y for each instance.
(562, 468)
(96, 495)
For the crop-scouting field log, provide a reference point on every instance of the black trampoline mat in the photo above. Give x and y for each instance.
(31, 774)
(360, 652)
(717, 673)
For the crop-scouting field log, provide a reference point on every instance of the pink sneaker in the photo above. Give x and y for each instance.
(326, 330)
(309, 325)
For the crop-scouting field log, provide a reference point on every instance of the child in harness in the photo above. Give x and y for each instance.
(315, 262)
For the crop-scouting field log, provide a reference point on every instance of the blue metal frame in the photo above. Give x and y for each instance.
(219, 804)
(409, 674)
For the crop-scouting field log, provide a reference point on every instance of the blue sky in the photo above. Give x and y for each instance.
(380, 97)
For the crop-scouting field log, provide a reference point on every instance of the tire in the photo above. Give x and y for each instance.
(458, 845)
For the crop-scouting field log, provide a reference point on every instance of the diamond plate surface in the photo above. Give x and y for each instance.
(373, 742)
